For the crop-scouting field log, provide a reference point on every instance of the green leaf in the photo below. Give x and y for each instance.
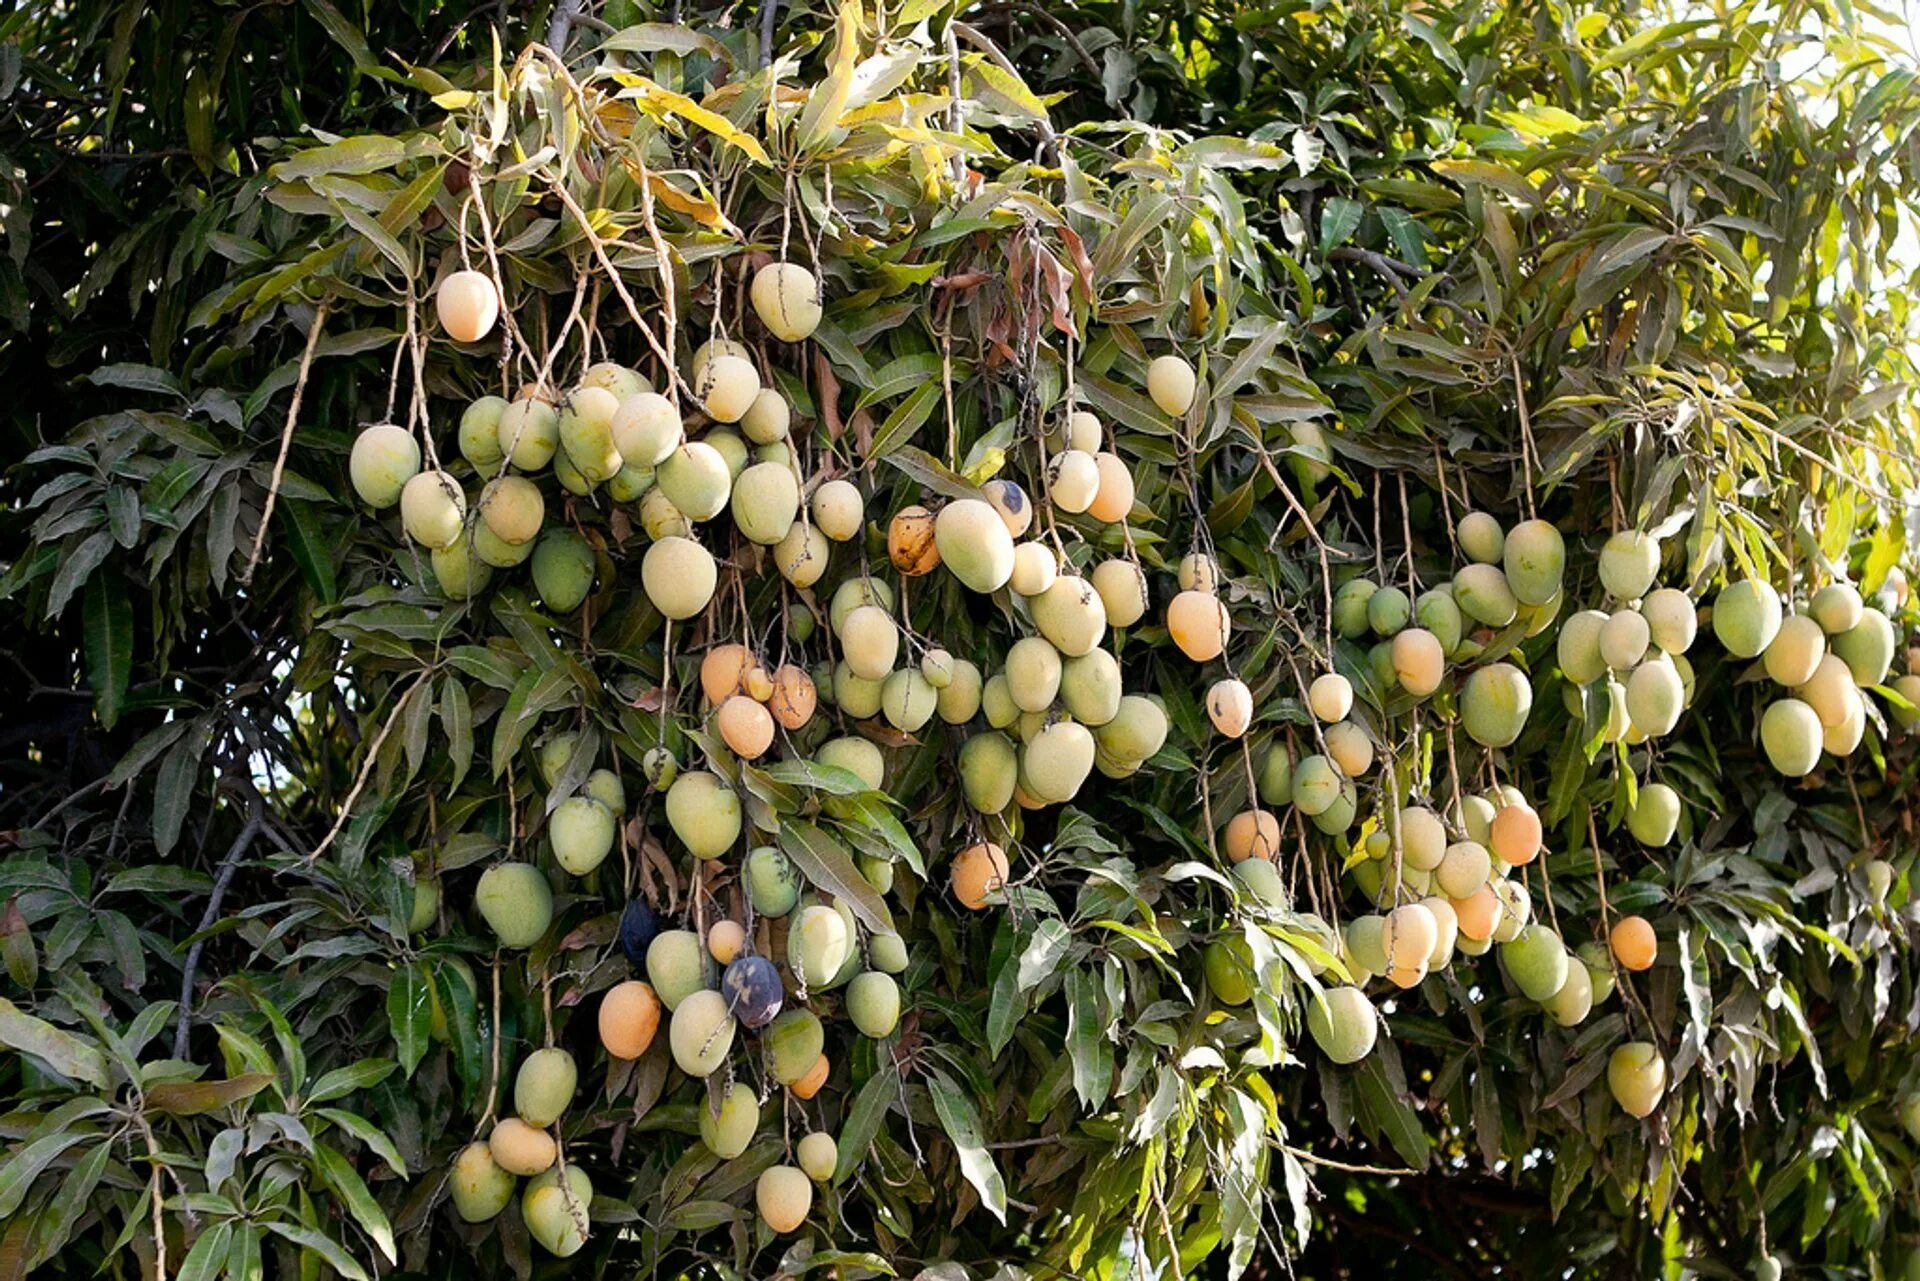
(343, 1081)
(344, 34)
(410, 1013)
(28, 1161)
(1044, 952)
(1391, 1113)
(368, 1133)
(137, 378)
(310, 550)
(82, 557)
(665, 37)
(173, 791)
(208, 1257)
(831, 779)
(65, 1053)
(1087, 1043)
(930, 473)
(329, 1250)
(865, 1116)
(1405, 233)
(365, 153)
(826, 862)
(960, 1118)
(1430, 36)
(108, 623)
(194, 1098)
(456, 715)
(1339, 218)
(908, 417)
(352, 1189)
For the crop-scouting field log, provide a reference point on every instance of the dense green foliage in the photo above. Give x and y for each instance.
(1608, 266)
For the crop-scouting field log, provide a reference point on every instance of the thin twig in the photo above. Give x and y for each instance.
(366, 768)
(1384, 1171)
(979, 41)
(286, 442)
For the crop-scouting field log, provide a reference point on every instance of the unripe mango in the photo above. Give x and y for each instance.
(1057, 761)
(1671, 620)
(858, 756)
(1171, 385)
(586, 433)
(817, 1154)
(529, 433)
(478, 1186)
(1637, 1076)
(480, 434)
(1343, 1024)
(974, 544)
(582, 832)
(1537, 961)
(556, 1216)
(704, 813)
(1628, 564)
(384, 461)
(1483, 594)
(818, 945)
(701, 1034)
(1494, 704)
(1791, 734)
(786, 297)
(1534, 558)
(765, 500)
(544, 1086)
(1837, 608)
(839, 510)
(1481, 538)
(516, 903)
(1071, 615)
(1867, 648)
(1123, 591)
(793, 1042)
(1746, 615)
(873, 1003)
(676, 966)
(730, 1133)
(562, 570)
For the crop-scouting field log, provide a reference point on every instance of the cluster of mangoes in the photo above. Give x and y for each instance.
(1034, 724)
(1053, 711)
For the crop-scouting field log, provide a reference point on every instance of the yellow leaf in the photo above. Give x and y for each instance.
(700, 208)
(829, 97)
(454, 99)
(988, 467)
(663, 103)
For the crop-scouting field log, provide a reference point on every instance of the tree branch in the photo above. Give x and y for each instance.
(228, 866)
(769, 19)
(557, 31)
